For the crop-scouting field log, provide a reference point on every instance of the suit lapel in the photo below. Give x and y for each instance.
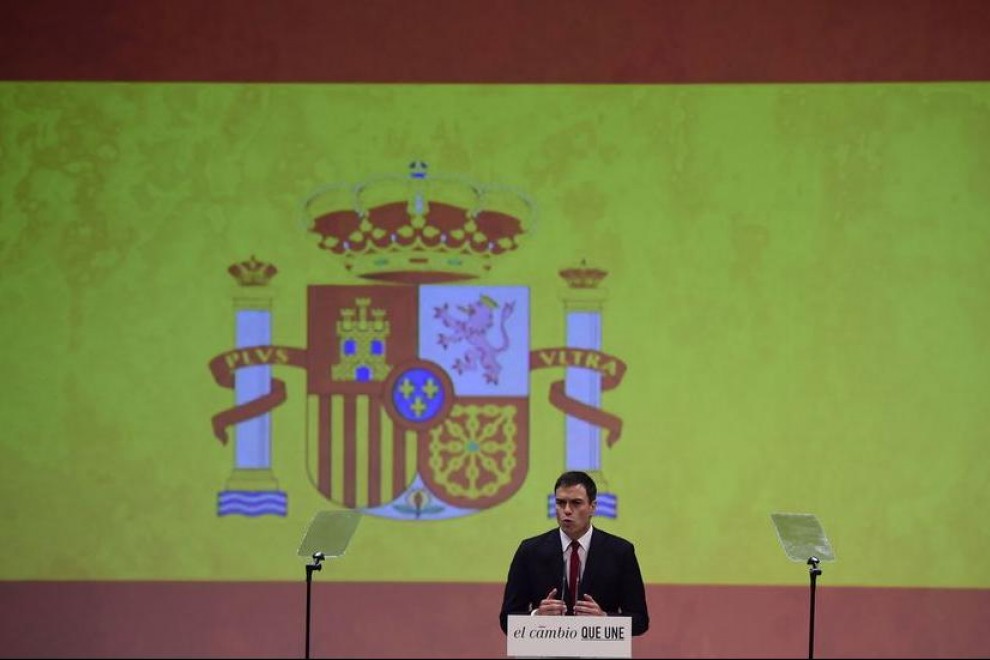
(595, 553)
(552, 559)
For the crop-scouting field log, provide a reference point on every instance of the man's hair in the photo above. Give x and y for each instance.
(575, 478)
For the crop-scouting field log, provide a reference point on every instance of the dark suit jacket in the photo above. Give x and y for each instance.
(611, 576)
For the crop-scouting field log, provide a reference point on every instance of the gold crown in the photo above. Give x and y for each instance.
(253, 272)
(418, 229)
(583, 276)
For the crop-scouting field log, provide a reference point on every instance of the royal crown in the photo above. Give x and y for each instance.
(253, 272)
(583, 276)
(419, 229)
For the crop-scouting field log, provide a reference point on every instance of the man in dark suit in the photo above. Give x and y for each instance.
(605, 578)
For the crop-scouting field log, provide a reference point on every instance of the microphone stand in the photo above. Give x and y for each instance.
(813, 573)
(315, 566)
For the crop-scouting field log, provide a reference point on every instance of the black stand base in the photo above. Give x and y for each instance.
(813, 573)
(315, 566)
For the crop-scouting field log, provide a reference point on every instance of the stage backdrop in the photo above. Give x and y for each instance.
(231, 306)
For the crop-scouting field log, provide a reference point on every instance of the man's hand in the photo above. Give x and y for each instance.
(587, 607)
(550, 606)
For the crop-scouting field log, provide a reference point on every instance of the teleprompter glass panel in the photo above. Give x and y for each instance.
(802, 536)
(329, 532)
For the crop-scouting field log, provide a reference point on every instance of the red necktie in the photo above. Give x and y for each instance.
(575, 572)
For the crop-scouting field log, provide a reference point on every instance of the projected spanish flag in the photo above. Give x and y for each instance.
(233, 302)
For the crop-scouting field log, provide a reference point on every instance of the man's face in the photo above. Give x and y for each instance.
(574, 511)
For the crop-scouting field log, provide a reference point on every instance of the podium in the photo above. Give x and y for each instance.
(568, 636)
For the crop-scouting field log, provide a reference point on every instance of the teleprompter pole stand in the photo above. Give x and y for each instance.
(315, 566)
(813, 573)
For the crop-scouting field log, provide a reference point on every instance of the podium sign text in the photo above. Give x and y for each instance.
(569, 636)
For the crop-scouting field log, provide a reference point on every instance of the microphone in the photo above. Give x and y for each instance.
(565, 594)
